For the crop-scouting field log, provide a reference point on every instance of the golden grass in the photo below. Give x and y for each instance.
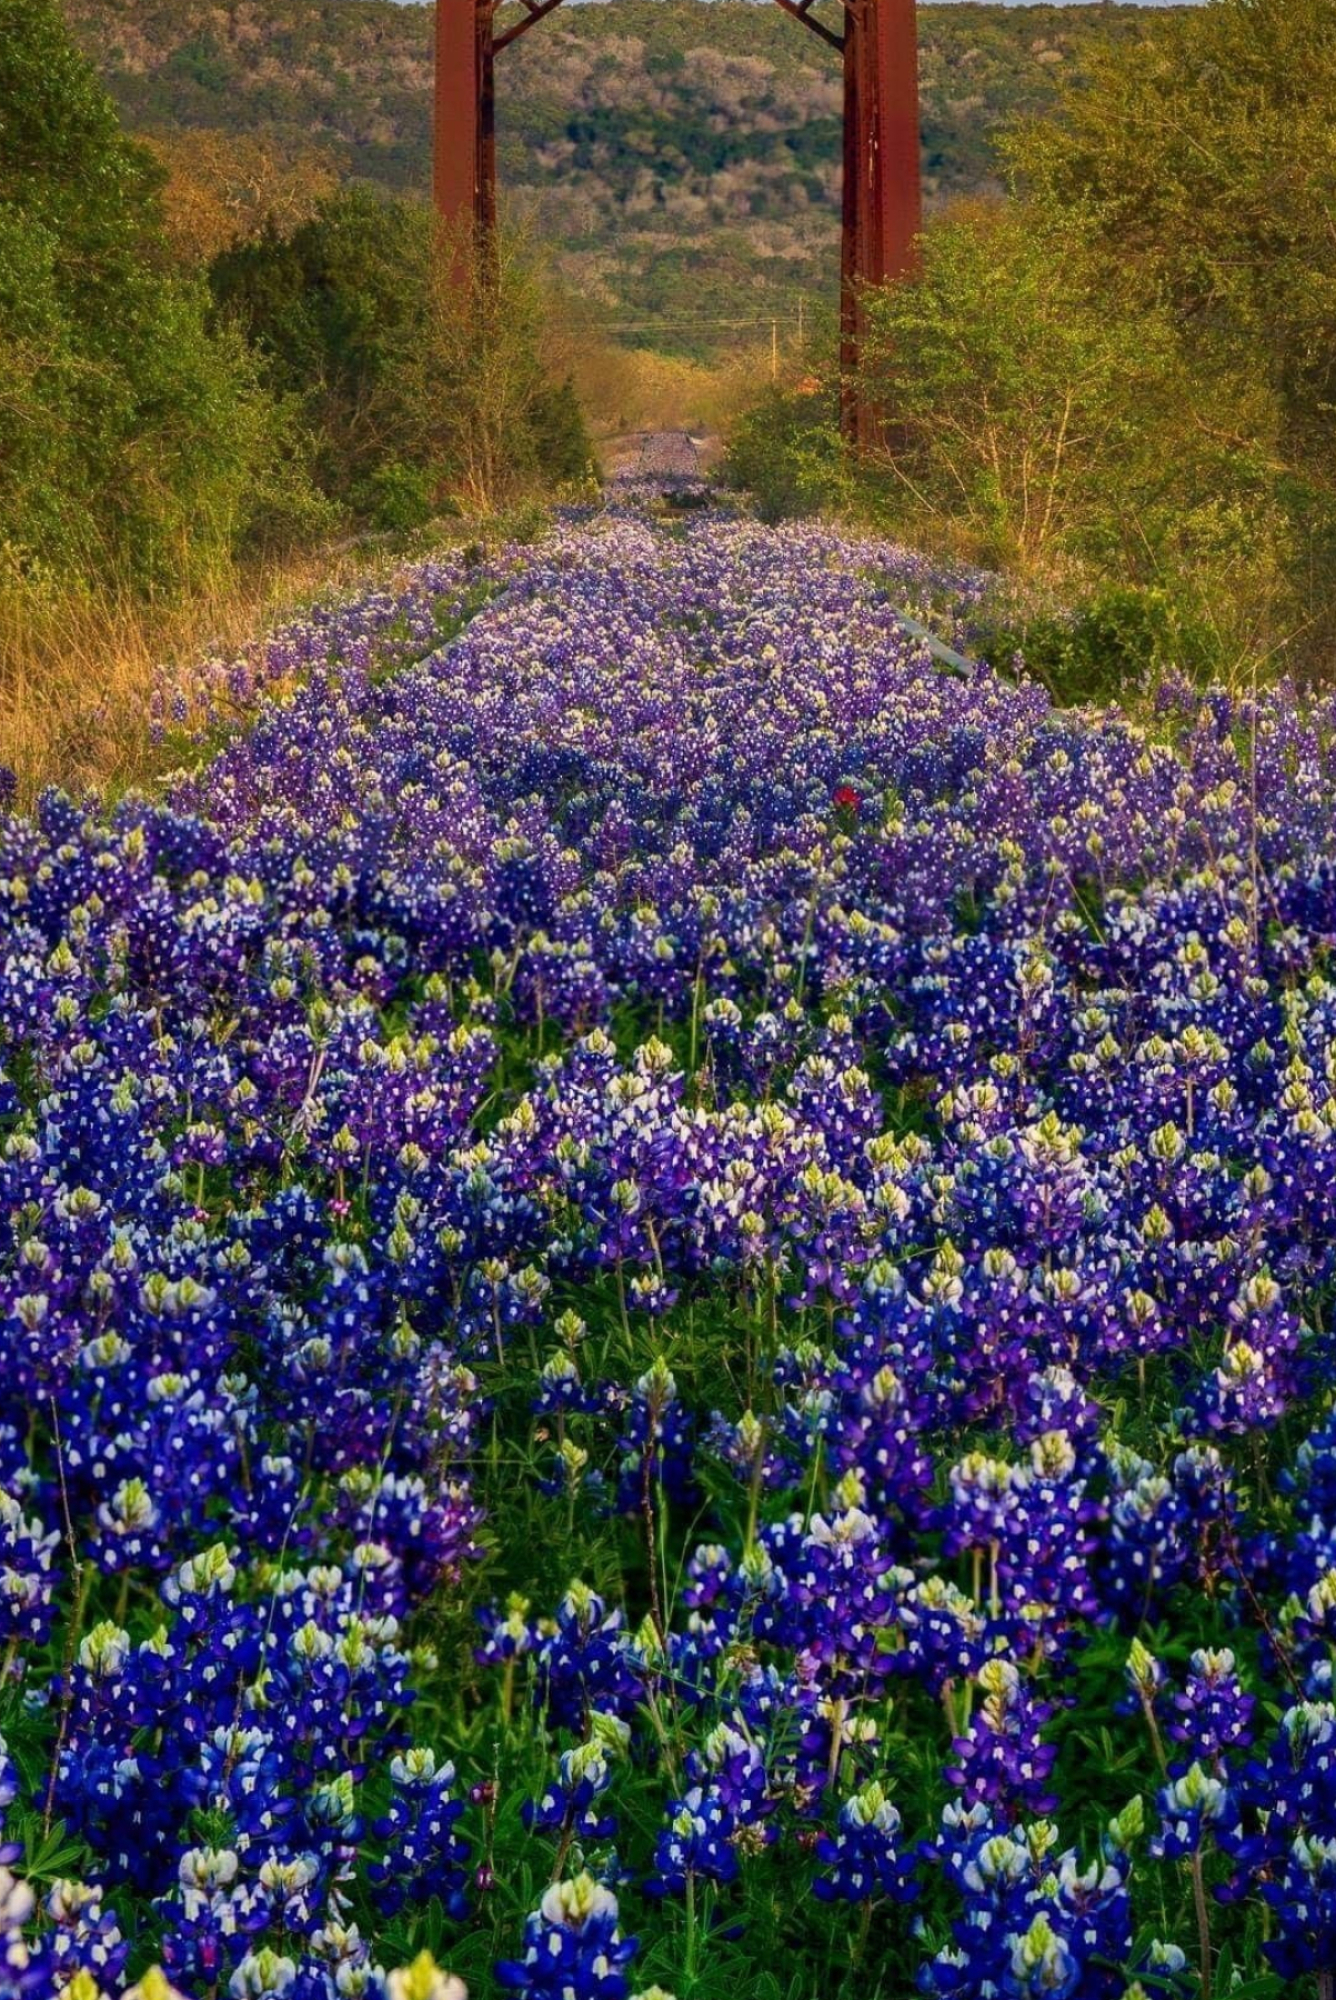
(77, 673)
(632, 389)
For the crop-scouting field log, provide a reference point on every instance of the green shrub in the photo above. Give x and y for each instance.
(1055, 428)
(398, 497)
(1112, 645)
(414, 387)
(786, 455)
(562, 445)
(332, 310)
(134, 439)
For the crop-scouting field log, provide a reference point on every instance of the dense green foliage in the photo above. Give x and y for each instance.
(354, 316)
(1064, 425)
(1199, 175)
(153, 427)
(1121, 378)
(681, 160)
(786, 454)
(133, 439)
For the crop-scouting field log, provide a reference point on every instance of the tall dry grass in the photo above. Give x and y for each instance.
(77, 672)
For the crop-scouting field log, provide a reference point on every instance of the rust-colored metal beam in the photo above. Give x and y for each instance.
(883, 186)
(464, 177)
(801, 10)
(536, 10)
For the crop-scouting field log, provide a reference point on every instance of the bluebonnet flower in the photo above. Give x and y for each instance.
(984, 1110)
(862, 1857)
(1192, 1807)
(1214, 1713)
(23, 1975)
(423, 1979)
(656, 1443)
(573, 1949)
(588, 1661)
(421, 1852)
(27, 1575)
(1032, 1923)
(569, 1808)
(1302, 1894)
(1003, 1759)
(698, 1843)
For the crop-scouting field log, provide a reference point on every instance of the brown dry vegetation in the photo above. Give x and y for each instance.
(77, 673)
(631, 389)
(221, 189)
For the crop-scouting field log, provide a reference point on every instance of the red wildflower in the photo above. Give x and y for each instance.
(847, 799)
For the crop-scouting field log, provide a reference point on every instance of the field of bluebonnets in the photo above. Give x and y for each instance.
(668, 1288)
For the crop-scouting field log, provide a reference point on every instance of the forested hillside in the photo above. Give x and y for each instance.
(642, 139)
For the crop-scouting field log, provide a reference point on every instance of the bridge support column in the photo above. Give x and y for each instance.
(883, 191)
(465, 156)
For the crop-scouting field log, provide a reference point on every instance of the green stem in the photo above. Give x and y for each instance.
(567, 1836)
(754, 1496)
(836, 1742)
(651, 1541)
(621, 1303)
(1157, 1741)
(861, 1937)
(1203, 1922)
(691, 1928)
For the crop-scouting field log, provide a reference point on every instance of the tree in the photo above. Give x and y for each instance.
(1057, 428)
(1200, 168)
(223, 188)
(1203, 161)
(335, 310)
(134, 441)
(1122, 379)
(419, 387)
(492, 341)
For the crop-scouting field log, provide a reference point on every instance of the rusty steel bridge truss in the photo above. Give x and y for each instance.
(882, 202)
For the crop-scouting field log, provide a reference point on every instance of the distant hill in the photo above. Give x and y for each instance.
(682, 160)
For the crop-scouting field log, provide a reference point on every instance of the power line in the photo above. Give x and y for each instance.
(697, 322)
(636, 326)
